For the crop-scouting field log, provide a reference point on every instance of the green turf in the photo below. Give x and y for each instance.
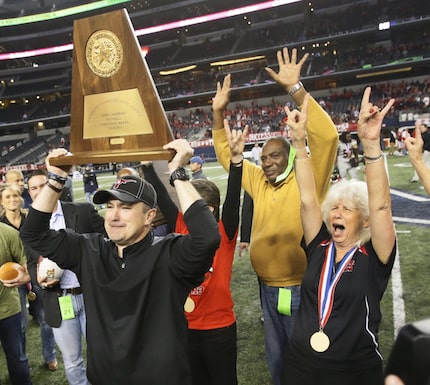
(252, 368)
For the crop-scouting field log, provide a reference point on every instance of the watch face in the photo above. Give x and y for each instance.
(180, 174)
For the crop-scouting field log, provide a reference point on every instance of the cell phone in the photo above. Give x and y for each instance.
(410, 356)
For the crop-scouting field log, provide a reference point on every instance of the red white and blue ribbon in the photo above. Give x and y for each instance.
(328, 282)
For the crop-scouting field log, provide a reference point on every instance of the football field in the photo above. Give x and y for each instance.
(406, 299)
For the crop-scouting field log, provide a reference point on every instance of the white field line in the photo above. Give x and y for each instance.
(398, 302)
(411, 197)
(413, 221)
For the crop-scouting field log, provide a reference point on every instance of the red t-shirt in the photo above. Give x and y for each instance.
(213, 303)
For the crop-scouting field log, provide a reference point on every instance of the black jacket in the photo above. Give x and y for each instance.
(82, 218)
(136, 328)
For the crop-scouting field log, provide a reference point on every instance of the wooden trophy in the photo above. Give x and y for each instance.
(116, 112)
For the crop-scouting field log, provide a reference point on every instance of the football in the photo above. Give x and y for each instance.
(8, 271)
(49, 269)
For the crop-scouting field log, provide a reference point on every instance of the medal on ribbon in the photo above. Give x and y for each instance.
(319, 340)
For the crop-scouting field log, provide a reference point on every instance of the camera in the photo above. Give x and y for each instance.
(410, 356)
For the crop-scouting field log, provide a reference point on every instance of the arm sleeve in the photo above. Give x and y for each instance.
(16, 247)
(246, 218)
(165, 203)
(323, 142)
(230, 210)
(193, 253)
(61, 246)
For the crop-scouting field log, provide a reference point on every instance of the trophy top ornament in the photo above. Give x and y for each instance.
(104, 53)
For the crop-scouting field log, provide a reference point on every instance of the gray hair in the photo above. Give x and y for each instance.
(353, 193)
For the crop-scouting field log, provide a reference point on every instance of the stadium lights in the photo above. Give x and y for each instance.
(177, 70)
(236, 61)
(385, 72)
(60, 13)
(159, 28)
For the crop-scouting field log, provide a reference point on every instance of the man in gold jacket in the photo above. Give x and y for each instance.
(276, 254)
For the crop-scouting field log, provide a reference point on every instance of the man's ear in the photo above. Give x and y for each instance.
(151, 215)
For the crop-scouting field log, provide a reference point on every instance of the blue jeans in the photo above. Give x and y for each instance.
(46, 334)
(24, 314)
(277, 327)
(11, 340)
(69, 339)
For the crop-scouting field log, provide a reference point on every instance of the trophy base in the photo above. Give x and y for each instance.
(103, 157)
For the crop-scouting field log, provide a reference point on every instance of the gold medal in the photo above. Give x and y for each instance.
(31, 295)
(190, 305)
(319, 341)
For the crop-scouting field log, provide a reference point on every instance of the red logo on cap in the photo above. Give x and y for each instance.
(121, 181)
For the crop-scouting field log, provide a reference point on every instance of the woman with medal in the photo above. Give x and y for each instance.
(350, 246)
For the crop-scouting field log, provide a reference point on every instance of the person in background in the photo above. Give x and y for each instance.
(67, 194)
(419, 153)
(256, 154)
(14, 215)
(16, 177)
(160, 227)
(212, 332)
(393, 142)
(275, 251)
(350, 244)
(196, 167)
(126, 171)
(68, 331)
(347, 156)
(91, 185)
(12, 250)
(134, 286)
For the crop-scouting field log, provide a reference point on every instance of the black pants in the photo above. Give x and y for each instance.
(213, 356)
(303, 375)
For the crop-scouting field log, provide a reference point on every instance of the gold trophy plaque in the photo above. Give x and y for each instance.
(116, 112)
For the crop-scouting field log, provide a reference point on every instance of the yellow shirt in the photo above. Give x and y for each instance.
(275, 250)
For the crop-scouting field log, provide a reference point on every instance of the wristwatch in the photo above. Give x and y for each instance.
(179, 174)
(295, 88)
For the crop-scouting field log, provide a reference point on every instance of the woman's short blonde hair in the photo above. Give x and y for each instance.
(11, 187)
(352, 193)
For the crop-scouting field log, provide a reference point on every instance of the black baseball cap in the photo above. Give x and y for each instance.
(130, 189)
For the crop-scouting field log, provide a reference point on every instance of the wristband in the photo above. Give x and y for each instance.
(373, 157)
(295, 88)
(58, 178)
(52, 187)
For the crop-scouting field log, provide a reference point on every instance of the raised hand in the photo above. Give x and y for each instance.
(236, 139)
(222, 96)
(57, 153)
(184, 152)
(415, 144)
(371, 117)
(297, 123)
(289, 69)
